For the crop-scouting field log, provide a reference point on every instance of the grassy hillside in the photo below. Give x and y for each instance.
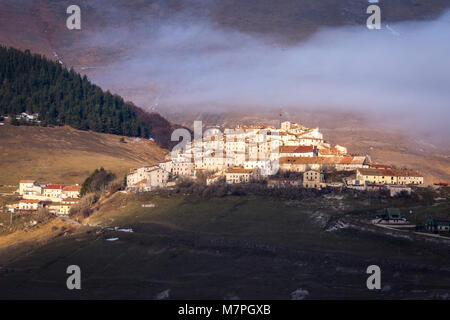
(222, 248)
(66, 155)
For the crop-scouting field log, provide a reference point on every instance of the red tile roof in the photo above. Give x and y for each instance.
(322, 160)
(72, 188)
(239, 170)
(296, 149)
(30, 201)
(55, 186)
(390, 172)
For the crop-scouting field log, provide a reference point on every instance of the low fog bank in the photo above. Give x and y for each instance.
(398, 76)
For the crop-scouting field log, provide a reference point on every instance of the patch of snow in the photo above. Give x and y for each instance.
(112, 239)
(320, 218)
(299, 294)
(337, 226)
(125, 230)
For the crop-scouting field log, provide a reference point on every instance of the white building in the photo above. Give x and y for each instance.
(241, 175)
(30, 205)
(29, 187)
(54, 190)
(147, 178)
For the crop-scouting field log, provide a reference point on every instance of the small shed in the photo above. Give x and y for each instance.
(437, 225)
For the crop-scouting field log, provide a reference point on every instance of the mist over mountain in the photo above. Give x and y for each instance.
(398, 76)
(200, 56)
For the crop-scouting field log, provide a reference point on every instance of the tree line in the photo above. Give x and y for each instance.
(31, 83)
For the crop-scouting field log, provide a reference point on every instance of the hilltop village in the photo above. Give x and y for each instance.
(291, 155)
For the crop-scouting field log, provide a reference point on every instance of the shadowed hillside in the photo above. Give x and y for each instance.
(224, 248)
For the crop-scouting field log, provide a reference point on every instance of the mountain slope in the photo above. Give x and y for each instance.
(66, 155)
(32, 83)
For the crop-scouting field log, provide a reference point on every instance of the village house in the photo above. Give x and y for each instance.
(184, 169)
(147, 178)
(71, 192)
(54, 190)
(28, 117)
(30, 205)
(66, 204)
(241, 175)
(313, 180)
(29, 187)
(388, 176)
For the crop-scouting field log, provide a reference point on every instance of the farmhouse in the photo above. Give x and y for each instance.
(54, 190)
(388, 176)
(392, 216)
(241, 175)
(29, 187)
(71, 192)
(313, 180)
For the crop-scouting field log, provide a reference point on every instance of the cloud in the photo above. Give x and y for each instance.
(400, 75)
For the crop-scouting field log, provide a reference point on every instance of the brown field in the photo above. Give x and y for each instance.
(66, 155)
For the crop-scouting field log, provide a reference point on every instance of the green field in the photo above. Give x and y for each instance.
(246, 247)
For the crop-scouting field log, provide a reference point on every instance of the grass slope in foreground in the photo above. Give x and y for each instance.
(248, 247)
